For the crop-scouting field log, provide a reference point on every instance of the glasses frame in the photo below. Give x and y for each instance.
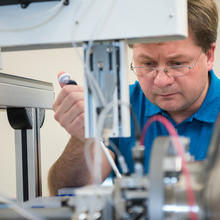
(166, 68)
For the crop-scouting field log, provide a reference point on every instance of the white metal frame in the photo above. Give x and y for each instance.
(85, 20)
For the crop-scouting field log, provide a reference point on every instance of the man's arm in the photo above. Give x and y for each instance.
(70, 170)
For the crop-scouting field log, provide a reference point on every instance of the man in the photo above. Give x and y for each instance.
(175, 79)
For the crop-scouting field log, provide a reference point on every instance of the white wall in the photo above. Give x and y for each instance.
(42, 65)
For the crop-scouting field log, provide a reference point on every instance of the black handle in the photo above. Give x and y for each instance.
(71, 82)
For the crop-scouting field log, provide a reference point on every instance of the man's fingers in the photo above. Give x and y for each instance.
(65, 117)
(70, 92)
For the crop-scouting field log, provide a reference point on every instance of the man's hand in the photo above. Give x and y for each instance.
(69, 109)
(70, 169)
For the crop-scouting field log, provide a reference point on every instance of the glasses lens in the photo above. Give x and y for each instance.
(178, 70)
(142, 71)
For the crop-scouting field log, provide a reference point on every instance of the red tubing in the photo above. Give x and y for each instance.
(180, 151)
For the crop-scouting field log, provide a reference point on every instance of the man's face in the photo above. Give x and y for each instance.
(175, 94)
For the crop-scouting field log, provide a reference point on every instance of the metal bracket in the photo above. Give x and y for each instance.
(27, 123)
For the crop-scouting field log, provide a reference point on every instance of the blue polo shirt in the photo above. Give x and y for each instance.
(198, 127)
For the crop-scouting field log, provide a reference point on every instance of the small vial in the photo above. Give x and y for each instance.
(64, 78)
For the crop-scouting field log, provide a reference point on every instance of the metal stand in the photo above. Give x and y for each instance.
(27, 123)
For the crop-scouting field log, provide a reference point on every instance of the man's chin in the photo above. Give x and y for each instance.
(170, 107)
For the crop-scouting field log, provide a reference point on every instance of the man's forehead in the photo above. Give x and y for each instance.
(158, 44)
(148, 44)
(151, 51)
(155, 48)
(168, 48)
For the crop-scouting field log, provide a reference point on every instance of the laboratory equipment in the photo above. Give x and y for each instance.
(161, 195)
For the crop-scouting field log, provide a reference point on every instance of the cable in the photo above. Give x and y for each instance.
(97, 162)
(97, 153)
(93, 84)
(19, 209)
(56, 9)
(100, 126)
(178, 147)
(98, 146)
(106, 110)
(111, 161)
(97, 176)
(121, 159)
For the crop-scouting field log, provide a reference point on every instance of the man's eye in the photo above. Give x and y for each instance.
(150, 64)
(175, 63)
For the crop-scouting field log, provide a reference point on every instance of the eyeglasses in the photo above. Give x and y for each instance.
(150, 69)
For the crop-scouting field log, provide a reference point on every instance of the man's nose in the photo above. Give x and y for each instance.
(162, 78)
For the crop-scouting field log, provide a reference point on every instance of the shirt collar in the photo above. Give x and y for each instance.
(209, 109)
(151, 109)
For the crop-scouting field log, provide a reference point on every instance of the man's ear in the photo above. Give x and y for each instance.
(210, 56)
